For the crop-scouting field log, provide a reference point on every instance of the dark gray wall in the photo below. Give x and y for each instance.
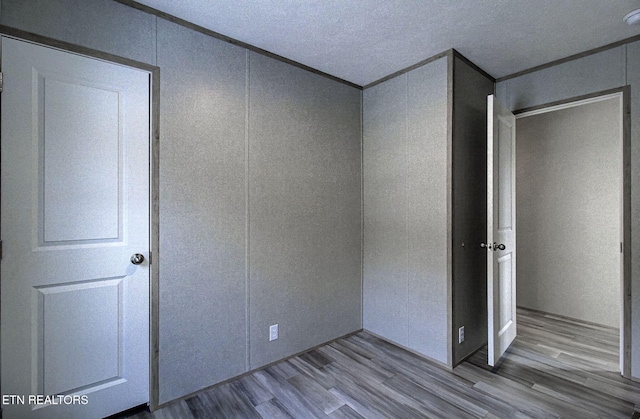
(608, 69)
(405, 155)
(260, 214)
(569, 191)
(469, 208)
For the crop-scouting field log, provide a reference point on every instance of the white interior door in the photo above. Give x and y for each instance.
(74, 208)
(501, 228)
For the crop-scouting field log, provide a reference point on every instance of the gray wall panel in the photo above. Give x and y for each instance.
(633, 74)
(202, 211)
(405, 209)
(305, 209)
(569, 179)
(469, 205)
(593, 73)
(103, 25)
(385, 288)
(427, 209)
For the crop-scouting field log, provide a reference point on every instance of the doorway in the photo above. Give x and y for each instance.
(573, 195)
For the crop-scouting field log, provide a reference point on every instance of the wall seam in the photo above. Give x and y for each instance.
(449, 208)
(247, 214)
(362, 209)
(406, 166)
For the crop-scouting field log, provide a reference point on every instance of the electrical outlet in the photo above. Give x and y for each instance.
(273, 332)
(461, 334)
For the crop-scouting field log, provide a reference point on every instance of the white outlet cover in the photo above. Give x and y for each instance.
(273, 332)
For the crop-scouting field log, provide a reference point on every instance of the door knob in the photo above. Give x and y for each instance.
(495, 246)
(137, 258)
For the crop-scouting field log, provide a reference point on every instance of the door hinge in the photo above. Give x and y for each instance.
(621, 248)
(0, 249)
(150, 258)
(1, 84)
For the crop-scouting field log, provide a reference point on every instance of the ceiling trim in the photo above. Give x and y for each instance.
(570, 58)
(197, 28)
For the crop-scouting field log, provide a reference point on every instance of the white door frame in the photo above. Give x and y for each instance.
(154, 160)
(625, 281)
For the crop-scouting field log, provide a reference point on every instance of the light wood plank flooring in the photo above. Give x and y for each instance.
(556, 368)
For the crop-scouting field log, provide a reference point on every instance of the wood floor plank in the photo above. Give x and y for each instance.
(431, 402)
(316, 393)
(345, 412)
(225, 402)
(318, 374)
(284, 369)
(370, 401)
(363, 366)
(628, 393)
(602, 405)
(197, 407)
(176, 410)
(255, 392)
(273, 409)
(315, 358)
(287, 395)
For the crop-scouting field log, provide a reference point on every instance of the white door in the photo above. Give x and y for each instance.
(501, 228)
(74, 208)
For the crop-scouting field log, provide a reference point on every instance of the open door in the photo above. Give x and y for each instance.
(501, 228)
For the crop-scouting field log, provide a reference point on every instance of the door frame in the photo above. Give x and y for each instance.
(154, 186)
(625, 94)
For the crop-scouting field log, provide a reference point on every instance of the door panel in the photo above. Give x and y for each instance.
(501, 229)
(74, 356)
(75, 190)
(74, 208)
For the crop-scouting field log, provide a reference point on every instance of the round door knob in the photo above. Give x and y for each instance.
(137, 258)
(499, 246)
(485, 245)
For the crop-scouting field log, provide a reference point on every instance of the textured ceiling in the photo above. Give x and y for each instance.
(362, 41)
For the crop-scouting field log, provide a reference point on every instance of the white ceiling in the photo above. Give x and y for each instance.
(362, 41)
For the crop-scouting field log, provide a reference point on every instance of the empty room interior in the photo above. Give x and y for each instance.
(319, 209)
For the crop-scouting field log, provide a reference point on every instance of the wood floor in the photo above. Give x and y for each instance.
(555, 368)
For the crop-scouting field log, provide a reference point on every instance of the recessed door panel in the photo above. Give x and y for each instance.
(506, 293)
(81, 343)
(80, 140)
(505, 166)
